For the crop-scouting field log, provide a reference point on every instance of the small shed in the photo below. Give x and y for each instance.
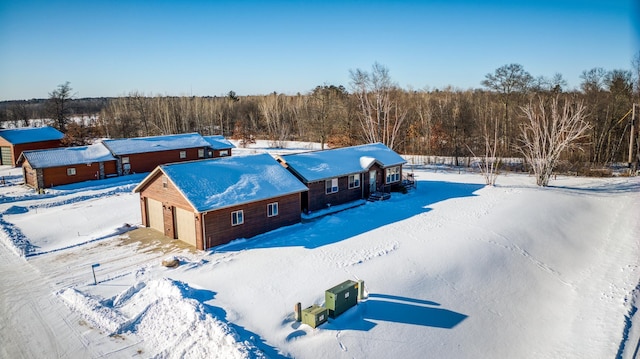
(345, 174)
(143, 154)
(65, 165)
(219, 146)
(16, 140)
(212, 202)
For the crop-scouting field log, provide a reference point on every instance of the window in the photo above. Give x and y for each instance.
(201, 153)
(71, 171)
(183, 154)
(237, 217)
(272, 209)
(354, 181)
(393, 174)
(125, 160)
(331, 186)
(165, 182)
(223, 153)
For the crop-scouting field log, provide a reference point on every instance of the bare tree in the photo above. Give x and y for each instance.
(635, 68)
(490, 162)
(274, 111)
(508, 81)
(551, 129)
(324, 106)
(58, 105)
(381, 116)
(18, 113)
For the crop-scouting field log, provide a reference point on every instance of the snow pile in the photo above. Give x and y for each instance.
(93, 310)
(173, 325)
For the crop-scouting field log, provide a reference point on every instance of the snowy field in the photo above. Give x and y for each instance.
(452, 269)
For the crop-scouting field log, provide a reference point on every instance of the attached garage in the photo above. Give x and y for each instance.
(194, 203)
(154, 212)
(185, 226)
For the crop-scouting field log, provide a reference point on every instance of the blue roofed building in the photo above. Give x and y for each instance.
(16, 140)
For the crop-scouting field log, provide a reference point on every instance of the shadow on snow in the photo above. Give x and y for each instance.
(243, 335)
(390, 308)
(352, 222)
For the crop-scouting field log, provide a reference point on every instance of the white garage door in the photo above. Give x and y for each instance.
(154, 212)
(5, 156)
(186, 226)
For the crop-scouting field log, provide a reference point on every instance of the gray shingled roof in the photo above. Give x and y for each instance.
(67, 156)
(155, 144)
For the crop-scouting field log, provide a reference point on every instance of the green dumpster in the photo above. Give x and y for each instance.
(341, 297)
(314, 315)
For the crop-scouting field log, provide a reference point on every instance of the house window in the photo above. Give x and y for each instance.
(393, 174)
(183, 154)
(165, 182)
(125, 160)
(201, 153)
(272, 209)
(331, 186)
(354, 181)
(237, 217)
(71, 171)
(223, 153)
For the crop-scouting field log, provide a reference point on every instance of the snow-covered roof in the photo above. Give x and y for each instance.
(67, 156)
(155, 143)
(18, 136)
(218, 142)
(229, 181)
(316, 166)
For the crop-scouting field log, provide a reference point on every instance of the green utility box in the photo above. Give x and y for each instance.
(314, 315)
(341, 297)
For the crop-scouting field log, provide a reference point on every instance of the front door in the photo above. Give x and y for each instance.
(372, 181)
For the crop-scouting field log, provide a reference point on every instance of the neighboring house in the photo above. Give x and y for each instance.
(14, 141)
(212, 202)
(218, 146)
(58, 166)
(143, 154)
(345, 174)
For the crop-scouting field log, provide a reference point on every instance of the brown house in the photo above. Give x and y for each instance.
(343, 175)
(143, 154)
(212, 202)
(14, 141)
(59, 166)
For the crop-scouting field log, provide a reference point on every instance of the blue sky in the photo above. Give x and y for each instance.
(207, 48)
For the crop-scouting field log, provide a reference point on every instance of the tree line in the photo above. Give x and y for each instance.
(443, 122)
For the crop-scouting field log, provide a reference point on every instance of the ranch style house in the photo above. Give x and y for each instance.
(346, 174)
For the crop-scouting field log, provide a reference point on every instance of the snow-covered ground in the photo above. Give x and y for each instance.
(452, 269)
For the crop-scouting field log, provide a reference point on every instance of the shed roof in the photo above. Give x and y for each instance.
(218, 183)
(21, 135)
(218, 142)
(129, 146)
(67, 156)
(319, 165)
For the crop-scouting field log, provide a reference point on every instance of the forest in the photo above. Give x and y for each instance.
(440, 122)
